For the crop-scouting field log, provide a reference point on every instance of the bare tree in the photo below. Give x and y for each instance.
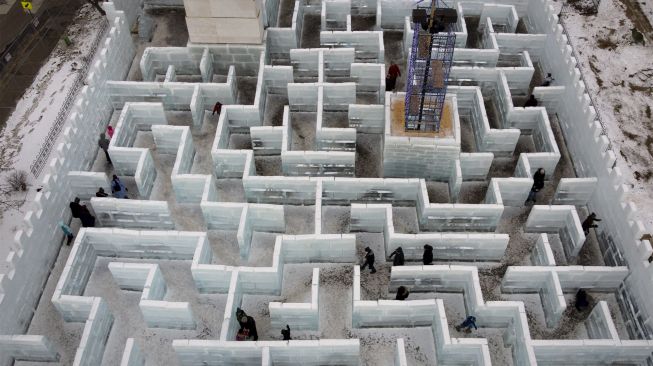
(8, 200)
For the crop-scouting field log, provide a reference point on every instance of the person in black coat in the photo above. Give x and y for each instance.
(582, 301)
(531, 102)
(286, 333)
(247, 322)
(588, 223)
(402, 293)
(427, 257)
(75, 208)
(81, 212)
(538, 184)
(369, 260)
(398, 255)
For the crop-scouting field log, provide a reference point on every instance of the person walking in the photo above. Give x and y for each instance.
(427, 257)
(103, 143)
(538, 184)
(369, 260)
(285, 333)
(117, 188)
(67, 231)
(247, 323)
(531, 102)
(467, 324)
(547, 80)
(588, 223)
(217, 108)
(110, 131)
(101, 193)
(402, 293)
(398, 255)
(391, 77)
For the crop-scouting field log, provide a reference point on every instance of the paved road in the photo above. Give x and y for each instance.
(34, 48)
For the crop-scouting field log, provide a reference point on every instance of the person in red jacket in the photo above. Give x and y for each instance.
(391, 78)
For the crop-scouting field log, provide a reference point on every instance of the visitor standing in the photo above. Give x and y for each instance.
(75, 208)
(538, 184)
(82, 213)
(217, 108)
(531, 102)
(285, 333)
(427, 257)
(402, 293)
(247, 324)
(391, 77)
(369, 260)
(398, 255)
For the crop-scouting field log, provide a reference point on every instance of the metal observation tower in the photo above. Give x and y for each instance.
(430, 61)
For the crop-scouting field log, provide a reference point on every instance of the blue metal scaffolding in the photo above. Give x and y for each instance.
(428, 73)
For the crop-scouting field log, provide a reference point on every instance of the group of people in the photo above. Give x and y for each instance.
(538, 184)
(247, 328)
(82, 213)
(118, 189)
(397, 260)
(397, 257)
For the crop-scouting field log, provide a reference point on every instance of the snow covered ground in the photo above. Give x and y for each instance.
(29, 126)
(619, 76)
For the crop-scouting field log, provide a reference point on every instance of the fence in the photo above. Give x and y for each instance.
(42, 157)
(563, 10)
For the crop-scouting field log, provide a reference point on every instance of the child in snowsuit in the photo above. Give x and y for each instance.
(68, 231)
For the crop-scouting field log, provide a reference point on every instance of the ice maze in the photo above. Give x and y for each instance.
(268, 205)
